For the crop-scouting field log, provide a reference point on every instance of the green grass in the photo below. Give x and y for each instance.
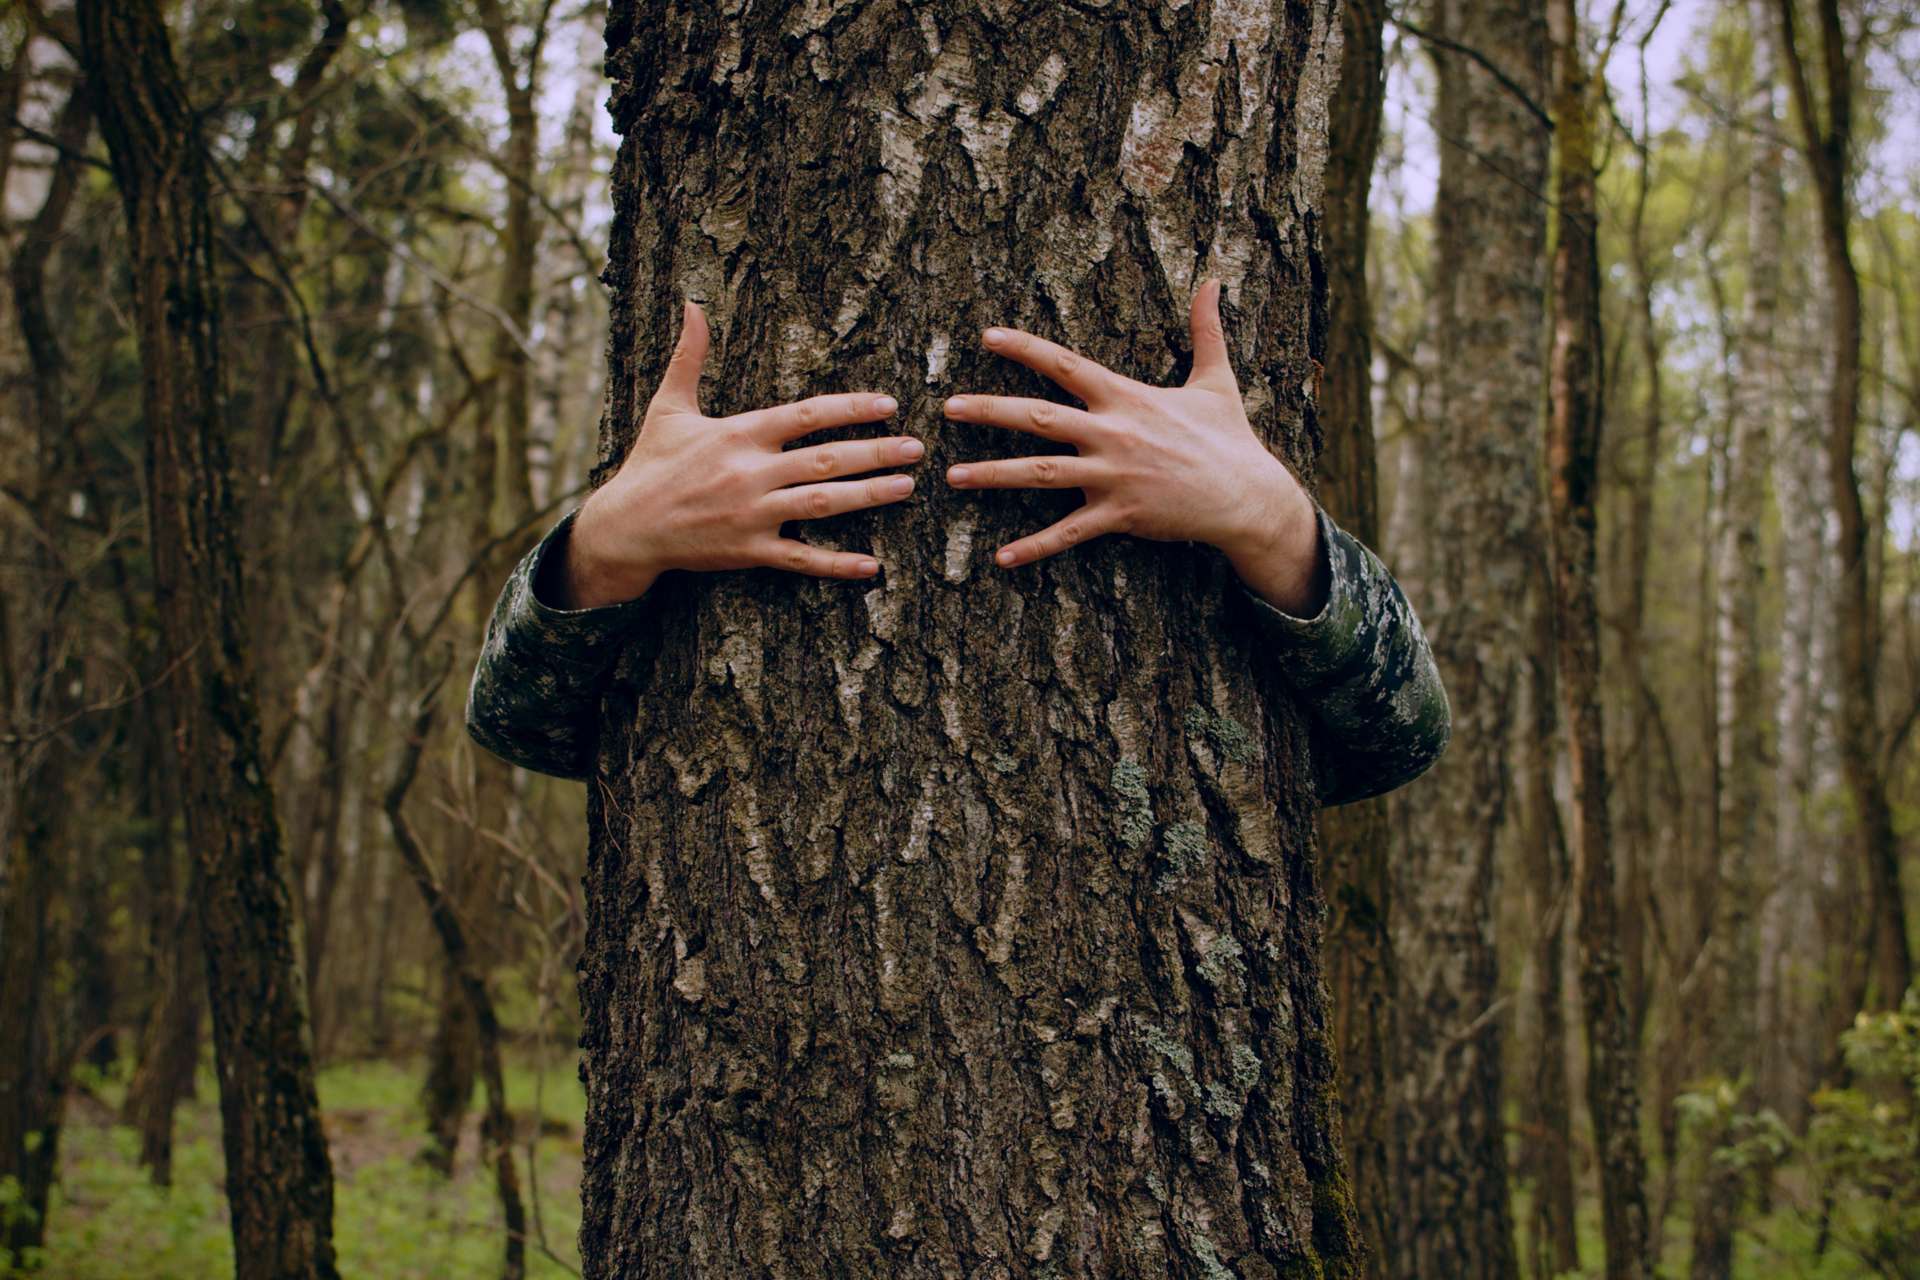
(393, 1218)
(1782, 1244)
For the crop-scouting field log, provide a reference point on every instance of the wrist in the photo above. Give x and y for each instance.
(1275, 546)
(590, 576)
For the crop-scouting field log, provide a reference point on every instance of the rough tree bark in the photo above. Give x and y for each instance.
(279, 1177)
(1826, 141)
(1453, 1190)
(1355, 840)
(1740, 735)
(880, 978)
(1574, 419)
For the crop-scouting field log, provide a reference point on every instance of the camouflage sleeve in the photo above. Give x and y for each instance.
(1364, 670)
(534, 696)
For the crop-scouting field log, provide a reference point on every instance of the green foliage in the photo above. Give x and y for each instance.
(1864, 1140)
(1859, 1161)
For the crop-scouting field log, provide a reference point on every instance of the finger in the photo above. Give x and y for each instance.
(812, 501)
(816, 413)
(1060, 471)
(845, 458)
(799, 557)
(680, 388)
(1082, 525)
(1041, 418)
(1071, 370)
(1211, 363)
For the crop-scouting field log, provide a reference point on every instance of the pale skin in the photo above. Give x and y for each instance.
(1166, 463)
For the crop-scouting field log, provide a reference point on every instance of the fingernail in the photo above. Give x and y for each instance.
(886, 404)
(869, 566)
(911, 449)
(958, 475)
(900, 486)
(1005, 556)
(995, 337)
(956, 404)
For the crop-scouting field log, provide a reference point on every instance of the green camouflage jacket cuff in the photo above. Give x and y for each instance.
(1363, 668)
(533, 698)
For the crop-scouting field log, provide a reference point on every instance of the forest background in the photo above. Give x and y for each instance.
(410, 212)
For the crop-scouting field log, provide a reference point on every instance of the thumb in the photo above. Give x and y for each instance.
(680, 387)
(1210, 362)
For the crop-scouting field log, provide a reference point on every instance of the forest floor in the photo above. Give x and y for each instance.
(394, 1219)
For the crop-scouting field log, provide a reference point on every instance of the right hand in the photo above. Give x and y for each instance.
(711, 493)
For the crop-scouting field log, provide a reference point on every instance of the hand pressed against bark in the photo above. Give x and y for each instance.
(1167, 463)
(711, 493)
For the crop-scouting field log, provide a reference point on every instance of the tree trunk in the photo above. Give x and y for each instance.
(1740, 734)
(37, 758)
(496, 1129)
(1794, 980)
(1546, 1105)
(1453, 1189)
(32, 1081)
(878, 978)
(279, 1178)
(1827, 143)
(1573, 446)
(1356, 848)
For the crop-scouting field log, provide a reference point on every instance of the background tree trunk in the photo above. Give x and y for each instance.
(279, 1178)
(1490, 240)
(1573, 446)
(1355, 839)
(966, 923)
(1740, 734)
(1827, 139)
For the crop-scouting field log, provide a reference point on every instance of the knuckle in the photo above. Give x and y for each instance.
(1067, 363)
(1046, 470)
(1071, 532)
(807, 413)
(1043, 414)
(795, 558)
(824, 461)
(819, 503)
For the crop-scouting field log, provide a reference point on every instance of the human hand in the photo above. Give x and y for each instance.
(1167, 463)
(711, 493)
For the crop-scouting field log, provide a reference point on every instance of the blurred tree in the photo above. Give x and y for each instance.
(279, 1175)
(1575, 412)
(1452, 1198)
(1355, 839)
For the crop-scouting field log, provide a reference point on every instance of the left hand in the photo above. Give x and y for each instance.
(1166, 463)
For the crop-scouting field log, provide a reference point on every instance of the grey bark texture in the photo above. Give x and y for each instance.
(964, 923)
(1453, 1208)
